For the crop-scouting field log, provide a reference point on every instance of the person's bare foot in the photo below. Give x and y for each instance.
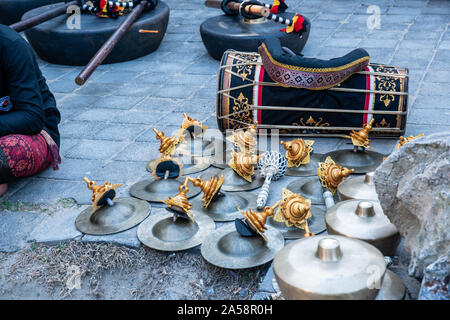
(3, 189)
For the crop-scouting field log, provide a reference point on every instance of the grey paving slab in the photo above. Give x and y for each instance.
(15, 228)
(73, 169)
(96, 149)
(57, 227)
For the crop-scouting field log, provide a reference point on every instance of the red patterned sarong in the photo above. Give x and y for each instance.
(23, 156)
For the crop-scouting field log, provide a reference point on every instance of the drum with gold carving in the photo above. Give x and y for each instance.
(247, 94)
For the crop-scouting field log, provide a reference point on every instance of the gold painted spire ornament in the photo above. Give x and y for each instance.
(209, 187)
(245, 140)
(189, 122)
(243, 164)
(361, 138)
(297, 151)
(294, 211)
(403, 140)
(98, 192)
(331, 174)
(167, 146)
(180, 202)
(257, 220)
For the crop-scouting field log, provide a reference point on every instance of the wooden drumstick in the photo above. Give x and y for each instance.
(234, 6)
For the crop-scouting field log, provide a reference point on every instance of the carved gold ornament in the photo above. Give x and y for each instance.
(168, 144)
(331, 174)
(180, 201)
(99, 191)
(404, 140)
(257, 220)
(294, 211)
(361, 138)
(209, 187)
(297, 151)
(243, 164)
(191, 122)
(245, 140)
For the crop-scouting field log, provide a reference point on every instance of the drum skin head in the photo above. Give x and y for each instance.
(225, 208)
(316, 225)
(306, 170)
(226, 248)
(160, 232)
(159, 190)
(125, 214)
(361, 161)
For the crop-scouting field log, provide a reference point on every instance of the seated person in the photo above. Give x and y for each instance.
(29, 136)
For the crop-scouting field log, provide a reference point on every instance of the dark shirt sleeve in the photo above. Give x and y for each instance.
(27, 114)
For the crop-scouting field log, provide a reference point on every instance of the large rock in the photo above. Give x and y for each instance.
(413, 188)
(436, 280)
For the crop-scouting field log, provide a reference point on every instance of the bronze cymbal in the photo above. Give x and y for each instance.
(316, 225)
(306, 170)
(191, 165)
(161, 232)
(329, 267)
(225, 207)
(226, 248)
(361, 187)
(361, 161)
(363, 220)
(159, 190)
(197, 147)
(232, 182)
(123, 215)
(310, 189)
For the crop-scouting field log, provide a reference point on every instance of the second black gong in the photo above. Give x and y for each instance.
(223, 32)
(56, 43)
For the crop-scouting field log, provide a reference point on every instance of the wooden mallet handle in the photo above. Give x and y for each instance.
(234, 6)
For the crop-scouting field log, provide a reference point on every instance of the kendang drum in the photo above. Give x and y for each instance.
(74, 39)
(330, 103)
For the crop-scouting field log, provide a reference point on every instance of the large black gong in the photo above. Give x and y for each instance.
(12, 10)
(54, 42)
(224, 32)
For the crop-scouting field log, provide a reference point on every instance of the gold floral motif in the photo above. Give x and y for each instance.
(99, 191)
(311, 122)
(244, 69)
(241, 103)
(386, 84)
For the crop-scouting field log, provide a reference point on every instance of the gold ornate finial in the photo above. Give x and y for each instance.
(209, 187)
(245, 140)
(361, 138)
(154, 164)
(297, 151)
(180, 201)
(243, 164)
(168, 144)
(404, 140)
(257, 220)
(331, 174)
(294, 211)
(191, 122)
(99, 191)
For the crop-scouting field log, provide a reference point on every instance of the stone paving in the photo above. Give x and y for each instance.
(106, 127)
